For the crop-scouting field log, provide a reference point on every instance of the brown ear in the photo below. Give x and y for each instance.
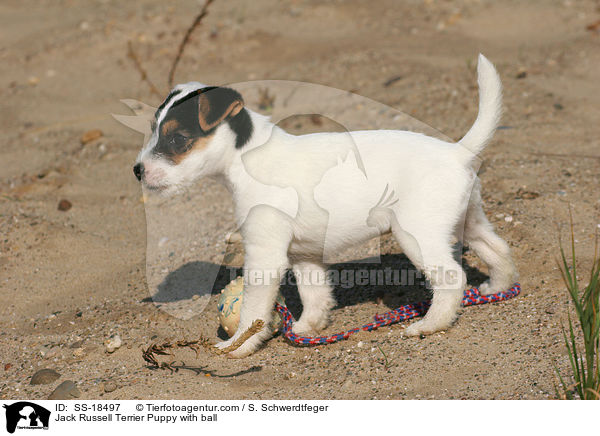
(215, 105)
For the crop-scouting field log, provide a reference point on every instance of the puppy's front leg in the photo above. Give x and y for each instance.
(265, 264)
(316, 295)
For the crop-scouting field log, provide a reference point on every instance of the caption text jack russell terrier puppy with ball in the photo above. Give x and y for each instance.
(422, 189)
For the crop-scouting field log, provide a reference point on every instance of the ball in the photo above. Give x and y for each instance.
(229, 307)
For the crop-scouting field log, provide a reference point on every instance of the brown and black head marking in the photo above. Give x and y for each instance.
(191, 120)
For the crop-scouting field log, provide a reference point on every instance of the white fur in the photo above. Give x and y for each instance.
(300, 199)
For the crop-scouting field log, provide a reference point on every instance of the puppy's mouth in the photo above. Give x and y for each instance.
(155, 188)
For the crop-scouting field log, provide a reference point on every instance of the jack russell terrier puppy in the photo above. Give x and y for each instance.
(422, 189)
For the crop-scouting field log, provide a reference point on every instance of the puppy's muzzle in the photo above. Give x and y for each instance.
(138, 170)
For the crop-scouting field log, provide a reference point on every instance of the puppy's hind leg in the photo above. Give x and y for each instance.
(479, 235)
(432, 254)
(316, 295)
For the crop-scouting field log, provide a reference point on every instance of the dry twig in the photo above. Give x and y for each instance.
(163, 349)
(136, 61)
(186, 38)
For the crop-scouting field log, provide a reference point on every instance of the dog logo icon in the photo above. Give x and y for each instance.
(26, 415)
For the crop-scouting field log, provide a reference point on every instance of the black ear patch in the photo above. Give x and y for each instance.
(216, 105)
(242, 126)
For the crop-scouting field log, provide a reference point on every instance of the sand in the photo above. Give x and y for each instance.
(72, 278)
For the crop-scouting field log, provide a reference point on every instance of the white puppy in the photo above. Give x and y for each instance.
(299, 199)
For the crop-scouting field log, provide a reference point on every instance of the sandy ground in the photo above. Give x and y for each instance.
(70, 279)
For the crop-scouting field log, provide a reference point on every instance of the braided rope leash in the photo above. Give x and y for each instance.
(471, 297)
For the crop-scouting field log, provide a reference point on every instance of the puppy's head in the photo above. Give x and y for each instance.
(194, 133)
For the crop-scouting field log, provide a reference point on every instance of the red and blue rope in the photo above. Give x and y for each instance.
(472, 297)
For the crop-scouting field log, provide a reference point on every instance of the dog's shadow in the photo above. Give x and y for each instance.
(183, 283)
(392, 281)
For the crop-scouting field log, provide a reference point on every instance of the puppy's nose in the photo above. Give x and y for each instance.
(138, 170)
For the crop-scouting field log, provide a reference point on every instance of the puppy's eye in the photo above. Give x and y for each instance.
(177, 140)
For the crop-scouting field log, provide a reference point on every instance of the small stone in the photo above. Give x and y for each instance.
(64, 205)
(113, 343)
(79, 352)
(347, 384)
(110, 386)
(77, 344)
(195, 297)
(508, 219)
(7, 366)
(91, 135)
(44, 376)
(67, 390)
(521, 74)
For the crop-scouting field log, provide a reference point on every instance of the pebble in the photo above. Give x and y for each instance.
(347, 384)
(113, 343)
(44, 376)
(67, 390)
(91, 135)
(64, 205)
(110, 386)
(77, 344)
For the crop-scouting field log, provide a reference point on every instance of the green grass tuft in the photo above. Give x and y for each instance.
(585, 364)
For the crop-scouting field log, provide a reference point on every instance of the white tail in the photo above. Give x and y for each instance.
(490, 110)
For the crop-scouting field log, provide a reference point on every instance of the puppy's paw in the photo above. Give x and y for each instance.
(247, 348)
(489, 288)
(423, 327)
(302, 328)
(314, 323)
(224, 344)
(250, 346)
